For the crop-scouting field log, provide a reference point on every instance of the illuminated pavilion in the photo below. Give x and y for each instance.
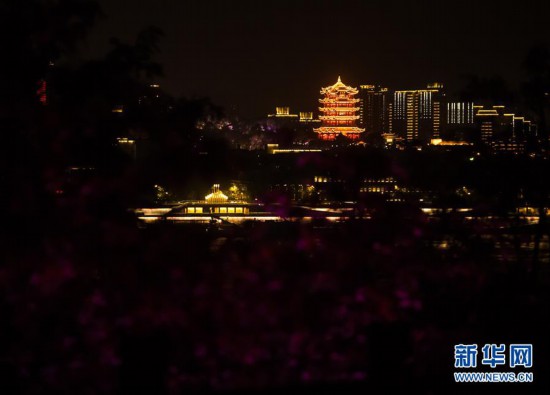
(217, 196)
(339, 112)
(218, 208)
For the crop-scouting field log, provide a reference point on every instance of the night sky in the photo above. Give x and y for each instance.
(254, 55)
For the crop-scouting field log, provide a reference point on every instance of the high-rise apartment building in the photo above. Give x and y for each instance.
(502, 130)
(374, 102)
(417, 114)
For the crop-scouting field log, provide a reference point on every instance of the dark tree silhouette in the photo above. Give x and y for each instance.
(536, 91)
(33, 35)
(536, 88)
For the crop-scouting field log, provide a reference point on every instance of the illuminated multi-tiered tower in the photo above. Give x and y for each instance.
(339, 112)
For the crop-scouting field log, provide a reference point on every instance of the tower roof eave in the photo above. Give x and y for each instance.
(339, 85)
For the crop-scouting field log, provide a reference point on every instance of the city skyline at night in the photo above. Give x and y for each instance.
(235, 51)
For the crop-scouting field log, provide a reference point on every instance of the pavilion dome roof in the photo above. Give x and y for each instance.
(217, 196)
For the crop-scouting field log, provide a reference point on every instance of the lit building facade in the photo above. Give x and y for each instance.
(460, 113)
(487, 121)
(374, 109)
(417, 114)
(339, 109)
(459, 122)
(283, 112)
(501, 130)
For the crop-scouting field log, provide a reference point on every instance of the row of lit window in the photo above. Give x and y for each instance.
(384, 180)
(219, 210)
(373, 190)
(325, 179)
(351, 112)
(388, 180)
(232, 210)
